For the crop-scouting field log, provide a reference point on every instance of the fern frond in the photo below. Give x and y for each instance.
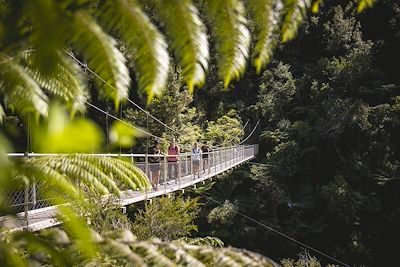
(122, 245)
(179, 255)
(144, 40)
(229, 22)
(65, 82)
(118, 249)
(77, 173)
(266, 15)
(137, 175)
(204, 241)
(187, 36)
(149, 251)
(131, 176)
(88, 38)
(21, 92)
(294, 13)
(93, 170)
(53, 179)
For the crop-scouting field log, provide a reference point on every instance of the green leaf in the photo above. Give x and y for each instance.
(229, 22)
(79, 231)
(47, 33)
(266, 15)
(125, 172)
(363, 4)
(61, 134)
(316, 4)
(88, 38)
(35, 244)
(76, 167)
(122, 134)
(65, 83)
(187, 36)
(21, 93)
(144, 40)
(294, 13)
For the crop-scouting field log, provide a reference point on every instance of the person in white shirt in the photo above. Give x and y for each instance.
(196, 157)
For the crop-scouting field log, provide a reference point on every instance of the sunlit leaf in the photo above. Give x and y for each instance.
(294, 13)
(102, 56)
(229, 22)
(22, 93)
(187, 36)
(266, 15)
(144, 40)
(363, 4)
(122, 134)
(60, 134)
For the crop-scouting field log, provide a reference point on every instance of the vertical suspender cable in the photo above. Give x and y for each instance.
(107, 134)
(120, 116)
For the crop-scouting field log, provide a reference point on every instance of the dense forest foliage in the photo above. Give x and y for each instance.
(329, 163)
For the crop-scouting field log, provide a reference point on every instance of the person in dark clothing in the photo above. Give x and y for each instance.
(155, 164)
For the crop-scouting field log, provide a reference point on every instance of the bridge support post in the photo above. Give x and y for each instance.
(191, 169)
(186, 165)
(179, 171)
(34, 192)
(165, 173)
(26, 205)
(225, 158)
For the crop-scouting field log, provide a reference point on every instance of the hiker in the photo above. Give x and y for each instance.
(173, 161)
(196, 157)
(155, 164)
(205, 155)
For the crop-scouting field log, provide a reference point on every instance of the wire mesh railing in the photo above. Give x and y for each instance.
(26, 199)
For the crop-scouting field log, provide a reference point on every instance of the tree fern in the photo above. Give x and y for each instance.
(144, 40)
(232, 37)
(294, 13)
(266, 15)
(187, 36)
(102, 56)
(20, 91)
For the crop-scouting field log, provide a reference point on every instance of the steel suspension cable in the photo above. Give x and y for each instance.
(127, 98)
(251, 133)
(122, 121)
(278, 232)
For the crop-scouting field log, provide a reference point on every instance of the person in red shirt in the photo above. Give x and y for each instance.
(173, 160)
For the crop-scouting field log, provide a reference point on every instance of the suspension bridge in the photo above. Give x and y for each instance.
(39, 213)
